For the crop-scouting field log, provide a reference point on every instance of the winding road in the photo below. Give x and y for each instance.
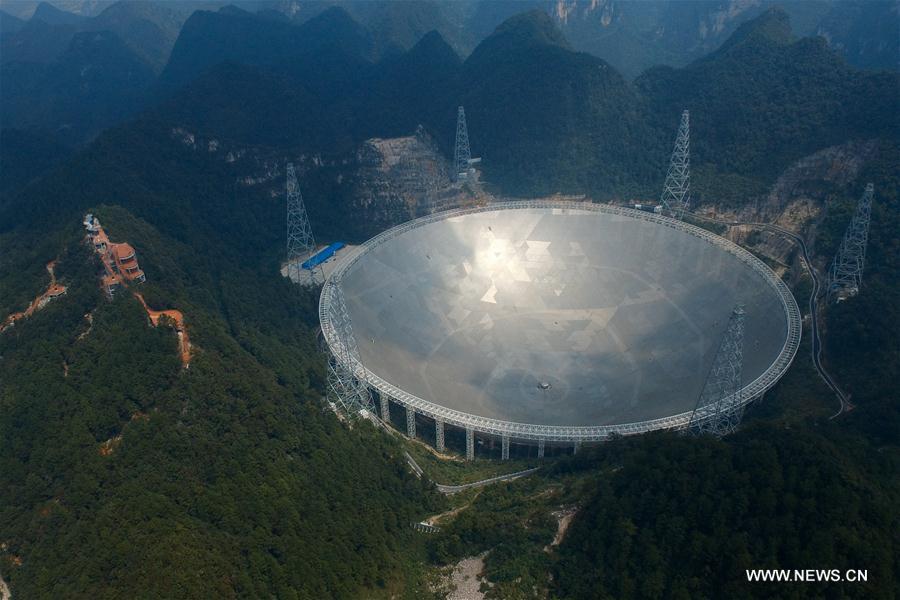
(813, 302)
(453, 489)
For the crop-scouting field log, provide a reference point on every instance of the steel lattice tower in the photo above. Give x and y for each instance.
(462, 156)
(720, 408)
(347, 386)
(300, 242)
(847, 269)
(678, 179)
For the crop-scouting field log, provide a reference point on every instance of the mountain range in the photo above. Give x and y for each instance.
(632, 36)
(70, 75)
(628, 36)
(579, 127)
(148, 29)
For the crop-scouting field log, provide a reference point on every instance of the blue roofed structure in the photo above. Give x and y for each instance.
(322, 256)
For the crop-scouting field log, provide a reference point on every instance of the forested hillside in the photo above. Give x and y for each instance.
(25, 155)
(96, 82)
(228, 478)
(863, 333)
(668, 516)
(578, 126)
(761, 102)
(70, 76)
(209, 38)
(685, 518)
(765, 99)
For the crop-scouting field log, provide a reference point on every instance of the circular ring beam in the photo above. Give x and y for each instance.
(540, 383)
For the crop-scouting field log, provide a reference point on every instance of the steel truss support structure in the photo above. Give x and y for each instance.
(347, 386)
(675, 196)
(410, 422)
(541, 443)
(470, 443)
(439, 435)
(575, 447)
(846, 273)
(300, 241)
(504, 452)
(385, 410)
(720, 407)
(461, 155)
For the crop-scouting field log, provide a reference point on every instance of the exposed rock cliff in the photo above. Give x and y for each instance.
(400, 175)
(797, 197)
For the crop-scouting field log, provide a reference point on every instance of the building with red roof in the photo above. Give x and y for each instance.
(119, 259)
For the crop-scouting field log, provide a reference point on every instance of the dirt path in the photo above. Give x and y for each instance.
(433, 451)
(5, 594)
(436, 519)
(89, 317)
(184, 342)
(564, 519)
(54, 290)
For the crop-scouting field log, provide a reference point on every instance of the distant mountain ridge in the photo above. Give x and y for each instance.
(544, 117)
(148, 28)
(773, 27)
(520, 33)
(25, 9)
(764, 99)
(209, 38)
(632, 36)
(637, 35)
(97, 81)
(550, 118)
(51, 15)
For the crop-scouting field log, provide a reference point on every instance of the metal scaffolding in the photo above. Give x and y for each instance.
(846, 273)
(439, 435)
(347, 386)
(410, 422)
(720, 407)
(300, 241)
(385, 409)
(470, 443)
(462, 157)
(675, 196)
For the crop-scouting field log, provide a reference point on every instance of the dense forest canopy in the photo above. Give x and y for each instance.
(686, 518)
(227, 477)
